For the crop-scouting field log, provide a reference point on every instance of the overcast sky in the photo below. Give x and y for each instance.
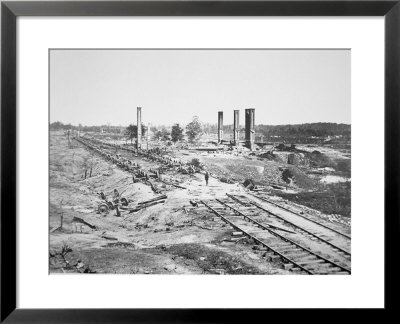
(95, 87)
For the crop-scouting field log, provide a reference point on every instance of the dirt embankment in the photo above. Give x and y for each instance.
(263, 172)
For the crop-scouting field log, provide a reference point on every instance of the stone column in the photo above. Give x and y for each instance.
(236, 127)
(220, 126)
(139, 128)
(250, 128)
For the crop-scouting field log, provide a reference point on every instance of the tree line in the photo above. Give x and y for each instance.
(306, 130)
(195, 128)
(57, 126)
(193, 132)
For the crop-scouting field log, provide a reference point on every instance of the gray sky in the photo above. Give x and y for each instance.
(94, 87)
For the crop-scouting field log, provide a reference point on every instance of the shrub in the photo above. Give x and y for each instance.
(344, 166)
(195, 162)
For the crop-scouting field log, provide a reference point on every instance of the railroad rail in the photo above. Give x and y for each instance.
(138, 174)
(289, 251)
(124, 164)
(151, 154)
(297, 214)
(293, 225)
(253, 220)
(257, 240)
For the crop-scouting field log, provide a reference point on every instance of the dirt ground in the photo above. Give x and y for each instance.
(173, 237)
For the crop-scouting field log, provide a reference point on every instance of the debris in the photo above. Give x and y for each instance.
(170, 267)
(162, 247)
(275, 258)
(79, 265)
(154, 199)
(103, 209)
(151, 186)
(55, 229)
(236, 239)
(237, 234)
(109, 237)
(120, 244)
(204, 227)
(249, 184)
(194, 203)
(80, 220)
(145, 206)
(172, 184)
(217, 271)
(239, 239)
(277, 187)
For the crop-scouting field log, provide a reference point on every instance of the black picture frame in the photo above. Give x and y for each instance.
(10, 10)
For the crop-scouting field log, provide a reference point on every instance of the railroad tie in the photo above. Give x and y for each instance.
(294, 249)
(299, 255)
(310, 262)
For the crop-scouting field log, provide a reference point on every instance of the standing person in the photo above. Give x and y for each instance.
(116, 196)
(207, 176)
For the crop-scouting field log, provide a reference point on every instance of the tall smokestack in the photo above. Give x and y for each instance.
(148, 135)
(139, 128)
(236, 127)
(220, 126)
(249, 128)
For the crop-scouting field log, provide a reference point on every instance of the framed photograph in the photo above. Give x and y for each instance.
(192, 155)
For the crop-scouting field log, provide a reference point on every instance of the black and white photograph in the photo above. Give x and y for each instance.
(200, 161)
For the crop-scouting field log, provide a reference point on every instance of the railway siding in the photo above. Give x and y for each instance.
(294, 255)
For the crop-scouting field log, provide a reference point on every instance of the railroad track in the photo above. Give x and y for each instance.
(138, 173)
(246, 202)
(148, 154)
(274, 239)
(161, 158)
(264, 199)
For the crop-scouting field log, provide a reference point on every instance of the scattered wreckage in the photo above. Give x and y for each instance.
(119, 204)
